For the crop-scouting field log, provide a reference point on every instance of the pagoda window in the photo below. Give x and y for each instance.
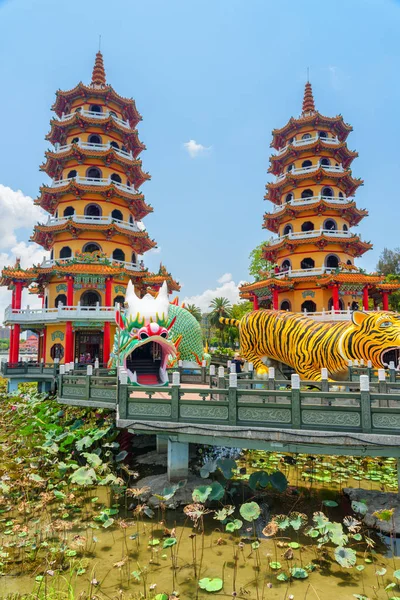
(307, 194)
(332, 261)
(330, 225)
(94, 139)
(91, 247)
(65, 252)
(114, 145)
(117, 214)
(69, 211)
(290, 167)
(61, 299)
(348, 262)
(90, 298)
(306, 136)
(113, 113)
(115, 177)
(306, 163)
(93, 210)
(345, 228)
(286, 265)
(134, 258)
(323, 134)
(46, 302)
(287, 229)
(57, 351)
(307, 263)
(93, 173)
(75, 140)
(309, 306)
(52, 254)
(285, 305)
(330, 304)
(96, 108)
(72, 174)
(328, 192)
(325, 162)
(118, 254)
(119, 300)
(131, 220)
(307, 226)
(124, 149)
(128, 183)
(289, 197)
(341, 195)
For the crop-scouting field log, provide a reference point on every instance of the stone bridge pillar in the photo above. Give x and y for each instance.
(178, 460)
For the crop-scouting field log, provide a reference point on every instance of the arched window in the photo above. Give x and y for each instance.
(118, 254)
(330, 304)
(61, 298)
(287, 229)
(125, 150)
(94, 139)
(330, 225)
(91, 247)
(306, 163)
(90, 298)
(286, 265)
(131, 220)
(327, 192)
(332, 261)
(285, 305)
(69, 211)
(324, 162)
(306, 136)
(57, 351)
(75, 140)
(71, 174)
(290, 167)
(96, 108)
(46, 302)
(289, 197)
(345, 228)
(115, 177)
(52, 254)
(119, 300)
(92, 210)
(348, 262)
(323, 134)
(114, 145)
(113, 113)
(341, 195)
(307, 263)
(307, 193)
(65, 252)
(93, 173)
(307, 226)
(117, 214)
(133, 258)
(309, 306)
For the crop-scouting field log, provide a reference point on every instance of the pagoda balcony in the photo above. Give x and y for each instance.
(93, 181)
(94, 221)
(129, 266)
(101, 116)
(296, 143)
(314, 233)
(301, 272)
(61, 313)
(312, 169)
(312, 200)
(89, 146)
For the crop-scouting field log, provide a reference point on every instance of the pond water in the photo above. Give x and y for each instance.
(106, 546)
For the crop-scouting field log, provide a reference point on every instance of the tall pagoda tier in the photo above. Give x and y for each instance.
(94, 231)
(313, 214)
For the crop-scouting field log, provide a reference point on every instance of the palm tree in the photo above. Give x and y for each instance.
(220, 307)
(194, 310)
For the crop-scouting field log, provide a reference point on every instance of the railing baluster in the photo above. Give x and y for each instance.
(232, 399)
(175, 393)
(296, 401)
(365, 404)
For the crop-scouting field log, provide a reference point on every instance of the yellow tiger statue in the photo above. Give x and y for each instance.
(308, 345)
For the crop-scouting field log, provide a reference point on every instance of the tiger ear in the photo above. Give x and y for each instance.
(358, 317)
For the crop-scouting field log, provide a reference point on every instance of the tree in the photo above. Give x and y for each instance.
(194, 310)
(259, 264)
(389, 262)
(220, 307)
(237, 312)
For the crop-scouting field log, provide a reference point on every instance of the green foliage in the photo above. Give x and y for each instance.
(258, 264)
(250, 511)
(227, 466)
(260, 479)
(298, 573)
(211, 585)
(233, 525)
(194, 310)
(359, 507)
(346, 557)
(201, 493)
(168, 542)
(220, 307)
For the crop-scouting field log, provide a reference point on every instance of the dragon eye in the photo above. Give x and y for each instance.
(143, 335)
(164, 334)
(386, 324)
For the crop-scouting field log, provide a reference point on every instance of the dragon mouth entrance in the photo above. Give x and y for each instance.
(147, 363)
(389, 355)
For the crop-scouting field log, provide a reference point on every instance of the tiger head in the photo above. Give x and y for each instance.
(374, 336)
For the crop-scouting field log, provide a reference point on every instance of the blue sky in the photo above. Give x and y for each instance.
(223, 73)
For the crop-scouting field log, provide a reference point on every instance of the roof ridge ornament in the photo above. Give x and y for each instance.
(99, 74)
(308, 101)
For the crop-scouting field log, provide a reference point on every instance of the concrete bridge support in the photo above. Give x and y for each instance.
(162, 444)
(178, 460)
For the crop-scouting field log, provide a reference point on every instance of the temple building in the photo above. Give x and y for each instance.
(94, 231)
(313, 215)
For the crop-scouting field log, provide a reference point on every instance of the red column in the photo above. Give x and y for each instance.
(385, 300)
(275, 299)
(255, 302)
(17, 297)
(70, 291)
(15, 343)
(44, 344)
(107, 332)
(365, 298)
(335, 296)
(69, 336)
(10, 349)
(18, 294)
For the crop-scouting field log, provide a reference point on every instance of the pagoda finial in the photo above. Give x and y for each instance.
(99, 74)
(308, 100)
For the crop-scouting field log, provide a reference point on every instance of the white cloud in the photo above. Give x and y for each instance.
(194, 149)
(228, 289)
(156, 250)
(17, 211)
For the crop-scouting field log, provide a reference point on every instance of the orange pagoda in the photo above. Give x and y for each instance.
(94, 231)
(313, 215)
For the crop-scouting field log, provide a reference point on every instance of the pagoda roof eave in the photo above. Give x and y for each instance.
(353, 246)
(341, 151)
(78, 119)
(350, 210)
(341, 128)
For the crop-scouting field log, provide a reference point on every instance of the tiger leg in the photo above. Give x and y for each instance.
(309, 373)
(258, 365)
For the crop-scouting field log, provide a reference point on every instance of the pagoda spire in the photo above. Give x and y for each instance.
(99, 74)
(308, 99)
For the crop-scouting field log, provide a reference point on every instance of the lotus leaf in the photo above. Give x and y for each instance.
(161, 597)
(84, 476)
(154, 542)
(294, 545)
(282, 521)
(357, 537)
(227, 466)
(250, 511)
(330, 503)
(92, 459)
(384, 515)
(258, 479)
(208, 467)
(136, 575)
(121, 456)
(201, 493)
(221, 515)
(35, 477)
(168, 542)
(211, 585)
(320, 520)
(297, 520)
(359, 507)
(255, 545)
(298, 573)
(397, 574)
(390, 586)
(279, 481)
(346, 557)
(85, 442)
(381, 572)
(217, 491)
(233, 525)
(282, 577)
(275, 565)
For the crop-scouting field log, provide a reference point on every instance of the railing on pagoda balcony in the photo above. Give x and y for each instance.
(94, 181)
(88, 220)
(89, 146)
(312, 200)
(302, 235)
(301, 272)
(296, 143)
(51, 262)
(312, 169)
(61, 313)
(101, 116)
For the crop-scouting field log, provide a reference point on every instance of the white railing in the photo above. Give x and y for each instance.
(89, 146)
(299, 235)
(94, 181)
(329, 315)
(301, 272)
(304, 142)
(61, 313)
(95, 115)
(93, 220)
(312, 200)
(51, 262)
(312, 169)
